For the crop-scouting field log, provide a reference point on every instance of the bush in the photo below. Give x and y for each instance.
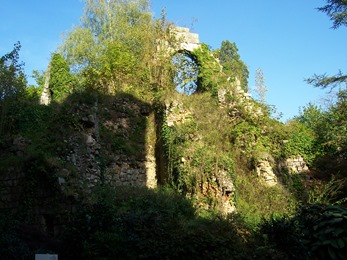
(324, 229)
(284, 235)
(316, 232)
(11, 245)
(134, 223)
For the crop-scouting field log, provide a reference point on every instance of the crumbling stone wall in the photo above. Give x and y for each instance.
(218, 185)
(112, 142)
(266, 173)
(239, 98)
(294, 165)
(112, 156)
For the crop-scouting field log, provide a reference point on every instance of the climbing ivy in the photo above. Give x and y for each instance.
(209, 70)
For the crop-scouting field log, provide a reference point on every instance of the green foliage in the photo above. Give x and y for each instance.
(301, 142)
(316, 232)
(253, 142)
(283, 234)
(314, 118)
(257, 140)
(245, 136)
(327, 193)
(209, 70)
(61, 81)
(329, 128)
(113, 70)
(324, 230)
(134, 223)
(32, 94)
(112, 48)
(195, 146)
(256, 201)
(232, 64)
(324, 81)
(337, 11)
(336, 134)
(12, 85)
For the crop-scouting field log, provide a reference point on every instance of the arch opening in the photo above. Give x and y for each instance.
(186, 71)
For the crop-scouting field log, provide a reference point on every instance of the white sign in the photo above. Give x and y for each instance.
(46, 257)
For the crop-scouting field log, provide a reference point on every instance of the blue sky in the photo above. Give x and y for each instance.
(288, 40)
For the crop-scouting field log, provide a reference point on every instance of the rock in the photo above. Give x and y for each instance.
(265, 172)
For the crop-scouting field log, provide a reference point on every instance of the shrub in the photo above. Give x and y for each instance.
(138, 223)
(316, 232)
(324, 229)
(283, 235)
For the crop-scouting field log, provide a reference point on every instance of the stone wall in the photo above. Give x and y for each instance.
(217, 185)
(130, 162)
(294, 165)
(235, 97)
(188, 41)
(112, 141)
(265, 172)
(185, 41)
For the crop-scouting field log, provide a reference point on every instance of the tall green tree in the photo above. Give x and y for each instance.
(12, 84)
(61, 81)
(113, 45)
(232, 64)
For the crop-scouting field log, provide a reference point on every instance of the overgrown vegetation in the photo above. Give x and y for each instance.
(110, 68)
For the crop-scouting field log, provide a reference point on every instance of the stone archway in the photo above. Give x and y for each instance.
(186, 73)
(184, 63)
(188, 41)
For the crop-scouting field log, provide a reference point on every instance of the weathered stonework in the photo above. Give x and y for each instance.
(219, 184)
(122, 122)
(185, 41)
(176, 114)
(188, 41)
(46, 97)
(265, 172)
(240, 98)
(296, 165)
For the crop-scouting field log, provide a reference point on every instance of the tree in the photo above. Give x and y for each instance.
(337, 11)
(61, 80)
(324, 81)
(331, 125)
(260, 85)
(315, 118)
(12, 84)
(113, 45)
(231, 62)
(330, 128)
(336, 136)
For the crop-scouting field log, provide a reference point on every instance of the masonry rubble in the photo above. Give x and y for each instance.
(293, 165)
(265, 172)
(297, 165)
